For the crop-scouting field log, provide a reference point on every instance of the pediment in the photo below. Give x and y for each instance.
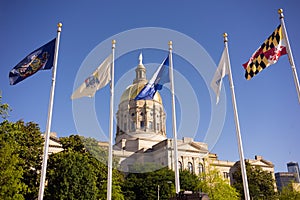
(54, 142)
(261, 163)
(192, 147)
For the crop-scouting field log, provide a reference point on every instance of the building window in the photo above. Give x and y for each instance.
(226, 175)
(142, 124)
(179, 166)
(150, 125)
(190, 167)
(157, 126)
(201, 169)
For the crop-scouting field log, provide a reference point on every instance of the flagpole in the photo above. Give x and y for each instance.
(237, 125)
(289, 52)
(109, 165)
(48, 127)
(177, 183)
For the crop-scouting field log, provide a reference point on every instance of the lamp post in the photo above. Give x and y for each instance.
(157, 192)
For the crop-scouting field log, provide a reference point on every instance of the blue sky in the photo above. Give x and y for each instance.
(268, 106)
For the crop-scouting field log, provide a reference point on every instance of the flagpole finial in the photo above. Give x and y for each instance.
(113, 42)
(59, 25)
(170, 45)
(280, 12)
(225, 37)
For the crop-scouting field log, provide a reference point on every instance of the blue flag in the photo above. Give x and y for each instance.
(159, 78)
(40, 59)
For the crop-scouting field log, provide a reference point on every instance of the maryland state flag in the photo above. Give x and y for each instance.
(40, 59)
(267, 54)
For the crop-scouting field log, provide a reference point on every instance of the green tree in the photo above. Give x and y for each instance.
(146, 185)
(29, 150)
(86, 145)
(92, 146)
(288, 193)
(189, 181)
(11, 172)
(70, 176)
(73, 143)
(4, 108)
(97, 159)
(213, 184)
(117, 181)
(260, 182)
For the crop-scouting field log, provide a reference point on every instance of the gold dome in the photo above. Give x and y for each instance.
(132, 91)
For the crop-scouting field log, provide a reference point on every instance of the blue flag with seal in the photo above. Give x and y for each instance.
(159, 78)
(40, 59)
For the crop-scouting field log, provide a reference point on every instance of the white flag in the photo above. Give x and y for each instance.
(221, 71)
(100, 78)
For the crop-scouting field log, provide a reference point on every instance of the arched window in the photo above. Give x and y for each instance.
(190, 167)
(179, 166)
(142, 124)
(201, 169)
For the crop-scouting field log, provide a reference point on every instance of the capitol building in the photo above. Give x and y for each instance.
(141, 137)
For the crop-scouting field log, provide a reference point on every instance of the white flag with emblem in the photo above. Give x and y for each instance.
(99, 78)
(221, 71)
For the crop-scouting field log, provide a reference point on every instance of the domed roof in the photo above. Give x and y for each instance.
(138, 84)
(132, 91)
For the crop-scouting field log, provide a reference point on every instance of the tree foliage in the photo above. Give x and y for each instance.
(72, 143)
(26, 141)
(70, 176)
(260, 182)
(213, 184)
(11, 185)
(77, 150)
(4, 108)
(146, 185)
(189, 181)
(288, 193)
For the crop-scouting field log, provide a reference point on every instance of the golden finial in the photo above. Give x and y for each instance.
(59, 25)
(280, 12)
(113, 42)
(170, 45)
(225, 37)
